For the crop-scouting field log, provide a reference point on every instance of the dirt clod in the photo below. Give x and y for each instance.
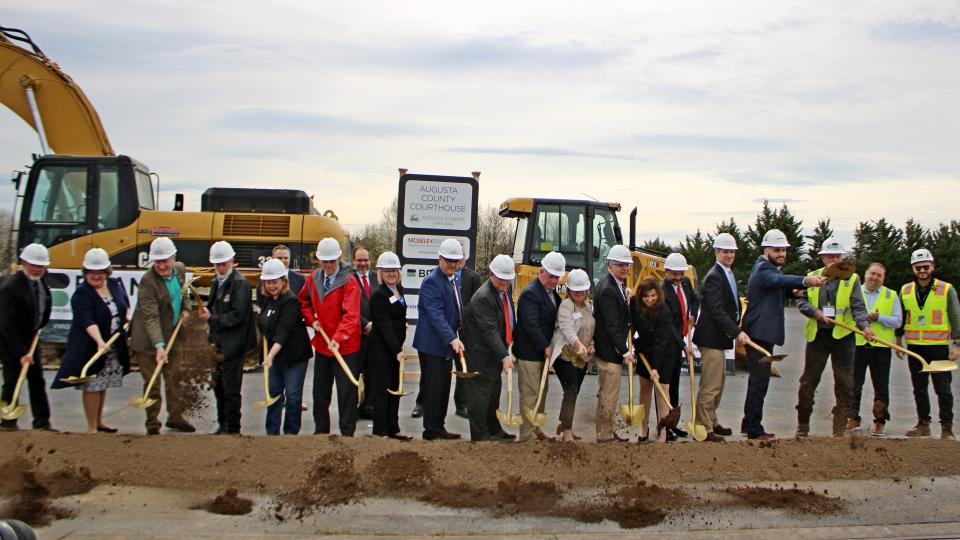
(797, 500)
(229, 503)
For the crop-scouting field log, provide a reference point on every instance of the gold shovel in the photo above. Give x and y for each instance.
(673, 417)
(12, 411)
(346, 369)
(632, 412)
(146, 400)
(534, 416)
(768, 357)
(464, 374)
(266, 383)
(84, 378)
(399, 391)
(935, 366)
(841, 270)
(508, 418)
(697, 431)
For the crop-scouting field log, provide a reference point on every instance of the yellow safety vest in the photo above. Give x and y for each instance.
(886, 299)
(930, 325)
(844, 314)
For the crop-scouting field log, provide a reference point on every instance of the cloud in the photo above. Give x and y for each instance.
(778, 200)
(920, 31)
(540, 151)
(693, 55)
(719, 143)
(279, 121)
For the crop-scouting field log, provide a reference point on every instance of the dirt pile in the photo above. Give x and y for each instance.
(400, 472)
(30, 492)
(228, 503)
(803, 501)
(331, 481)
(197, 360)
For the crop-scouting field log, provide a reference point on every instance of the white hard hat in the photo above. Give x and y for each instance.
(918, 256)
(328, 249)
(675, 262)
(578, 280)
(96, 259)
(451, 249)
(554, 263)
(388, 260)
(775, 238)
(832, 246)
(162, 248)
(36, 254)
(221, 252)
(620, 253)
(725, 241)
(273, 269)
(502, 267)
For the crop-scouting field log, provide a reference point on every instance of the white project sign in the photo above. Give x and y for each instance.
(411, 300)
(438, 205)
(427, 246)
(412, 275)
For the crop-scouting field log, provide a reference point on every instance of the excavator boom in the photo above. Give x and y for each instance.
(46, 98)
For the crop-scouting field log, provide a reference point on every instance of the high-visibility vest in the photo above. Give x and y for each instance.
(886, 299)
(930, 325)
(844, 314)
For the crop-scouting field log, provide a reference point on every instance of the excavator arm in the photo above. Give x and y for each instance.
(46, 98)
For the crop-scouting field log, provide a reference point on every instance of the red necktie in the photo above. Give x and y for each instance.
(683, 309)
(366, 285)
(506, 318)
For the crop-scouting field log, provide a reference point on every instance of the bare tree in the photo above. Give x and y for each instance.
(494, 236)
(8, 247)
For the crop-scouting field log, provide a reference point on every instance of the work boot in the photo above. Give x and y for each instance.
(877, 429)
(839, 424)
(853, 424)
(922, 429)
(946, 432)
(803, 430)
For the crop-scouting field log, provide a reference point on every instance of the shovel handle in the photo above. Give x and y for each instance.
(166, 349)
(101, 352)
(196, 295)
(543, 384)
(24, 368)
(340, 360)
(754, 345)
(646, 364)
(399, 390)
(693, 389)
(893, 346)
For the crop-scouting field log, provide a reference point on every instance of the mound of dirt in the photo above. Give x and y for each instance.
(31, 491)
(803, 501)
(401, 472)
(331, 481)
(229, 503)
(31, 504)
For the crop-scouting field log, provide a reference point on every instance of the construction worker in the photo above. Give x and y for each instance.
(885, 316)
(488, 332)
(163, 300)
(683, 304)
(437, 338)
(931, 321)
(536, 318)
(231, 328)
(25, 305)
(717, 329)
(612, 313)
(330, 304)
(840, 300)
(368, 284)
(764, 322)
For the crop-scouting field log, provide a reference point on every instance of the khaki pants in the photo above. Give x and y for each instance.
(169, 374)
(713, 375)
(608, 377)
(529, 373)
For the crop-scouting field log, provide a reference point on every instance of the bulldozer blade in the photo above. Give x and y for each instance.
(773, 358)
(939, 366)
(141, 403)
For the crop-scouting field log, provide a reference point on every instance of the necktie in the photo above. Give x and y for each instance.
(327, 283)
(506, 317)
(683, 309)
(623, 289)
(456, 297)
(366, 285)
(38, 297)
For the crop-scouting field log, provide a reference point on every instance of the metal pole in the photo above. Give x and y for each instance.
(35, 111)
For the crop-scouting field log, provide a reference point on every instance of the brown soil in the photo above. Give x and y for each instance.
(803, 501)
(29, 492)
(634, 485)
(197, 360)
(229, 503)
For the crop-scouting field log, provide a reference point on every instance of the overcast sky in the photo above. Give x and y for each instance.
(693, 111)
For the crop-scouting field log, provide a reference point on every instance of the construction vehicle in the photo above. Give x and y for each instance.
(79, 194)
(583, 231)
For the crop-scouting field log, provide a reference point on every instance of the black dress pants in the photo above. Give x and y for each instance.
(384, 374)
(435, 387)
(757, 385)
(326, 372)
(39, 406)
(227, 379)
(877, 359)
(482, 397)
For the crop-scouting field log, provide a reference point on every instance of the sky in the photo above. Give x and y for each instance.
(693, 111)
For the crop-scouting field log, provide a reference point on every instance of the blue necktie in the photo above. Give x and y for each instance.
(327, 283)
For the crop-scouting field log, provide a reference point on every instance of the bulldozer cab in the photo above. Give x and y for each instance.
(583, 231)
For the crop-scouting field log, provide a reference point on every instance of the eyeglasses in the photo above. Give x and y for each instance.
(922, 267)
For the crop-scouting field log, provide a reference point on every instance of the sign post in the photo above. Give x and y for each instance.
(431, 209)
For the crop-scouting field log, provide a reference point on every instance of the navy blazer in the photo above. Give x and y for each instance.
(672, 302)
(719, 312)
(88, 308)
(766, 291)
(613, 319)
(536, 319)
(438, 319)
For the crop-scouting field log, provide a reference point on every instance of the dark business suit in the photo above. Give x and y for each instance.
(389, 316)
(610, 340)
(672, 302)
(365, 318)
(536, 319)
(717, 327)
(470, 282)
(232, 329)
(18, 324)
(485, 338)
(764, 323)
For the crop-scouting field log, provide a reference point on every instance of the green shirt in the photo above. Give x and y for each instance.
(176, 299)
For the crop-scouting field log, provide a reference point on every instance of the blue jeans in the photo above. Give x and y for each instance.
(286, 382)
(757, 385)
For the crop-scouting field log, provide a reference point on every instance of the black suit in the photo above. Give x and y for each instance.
(470, 283)
(672, 302)
(485, 340)
(18, 324)
(383, 344)
(365, 318)
(536, 321)
(232, 329)
(613, 320)
(719, 314)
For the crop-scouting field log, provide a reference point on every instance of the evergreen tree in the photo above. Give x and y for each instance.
(657, 246)
(747, 251)
(698, 249)
(821, 233)
(945, 246)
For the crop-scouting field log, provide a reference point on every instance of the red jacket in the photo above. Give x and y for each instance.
(338, 310)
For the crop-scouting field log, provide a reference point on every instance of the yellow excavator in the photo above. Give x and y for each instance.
(583, 231)
(79, 194)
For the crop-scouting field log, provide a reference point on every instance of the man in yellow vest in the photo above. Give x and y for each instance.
(885, 315)
(840, 300)
(931, 319)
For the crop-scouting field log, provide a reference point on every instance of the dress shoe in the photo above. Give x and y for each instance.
(417, 411)
(743, 428)
(462, 412)
(680, 433)
(400, 437)
(105, 429)
(722, 431)
(182, 426)
(503, 437)
(853, 424)
(615, 439)
(45, 426)
(541, 436)
(713, 437)
(671, 436)
(762, 437)
(8, 425)
(803, 430)
(153, 431)
(446, 435)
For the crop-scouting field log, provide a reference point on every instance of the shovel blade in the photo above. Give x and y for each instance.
(537, 419)
(503, 417)
(12, 413)
(141, 403)
(465, 374)
(265, 403)
(636, 416)
(698, 432)
(626, 413)
(515, 420)
(73, 379)
(940, 366)
(773, 358)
